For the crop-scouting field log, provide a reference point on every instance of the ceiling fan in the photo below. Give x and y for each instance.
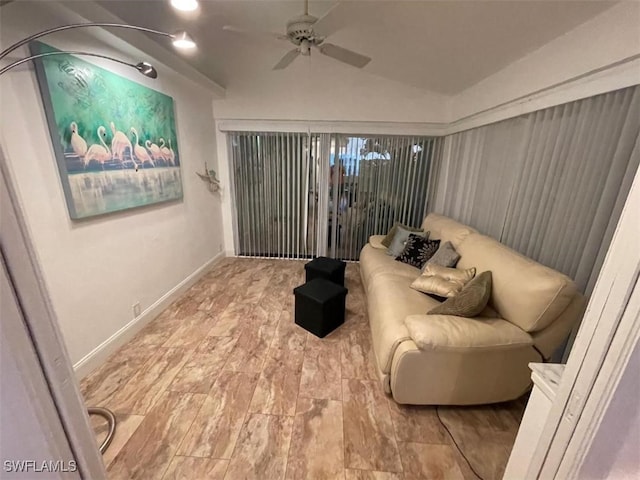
(307, 32)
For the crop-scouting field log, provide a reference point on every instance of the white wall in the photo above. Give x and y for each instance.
(97, 269)
(601, 42)
(323, 89)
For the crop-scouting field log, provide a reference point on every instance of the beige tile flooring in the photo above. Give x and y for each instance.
(223, 384)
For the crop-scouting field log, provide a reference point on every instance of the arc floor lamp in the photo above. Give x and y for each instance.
(180, 40)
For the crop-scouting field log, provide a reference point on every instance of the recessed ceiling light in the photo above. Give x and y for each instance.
(183, 41)
(185, 5)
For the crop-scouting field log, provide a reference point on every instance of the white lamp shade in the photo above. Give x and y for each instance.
(185, 5)
(183, 40)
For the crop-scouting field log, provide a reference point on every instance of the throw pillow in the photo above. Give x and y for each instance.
(418, 250)
(386, 241)
(470, 301)
(400, 239)
(441, 282)
(455, 274)
(446, 256)
(437, 287)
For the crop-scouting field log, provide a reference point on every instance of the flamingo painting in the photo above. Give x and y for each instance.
(99, 153)
(140, 152)
(103, 128)
(78, 144)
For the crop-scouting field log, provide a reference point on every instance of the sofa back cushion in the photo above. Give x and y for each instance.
(524, 292)
(445, 229)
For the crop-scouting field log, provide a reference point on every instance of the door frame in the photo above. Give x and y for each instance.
(608, 334)
(569, 430)
(43, 331)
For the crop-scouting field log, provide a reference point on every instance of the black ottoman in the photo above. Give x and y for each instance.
(327, 268)
(320, 306)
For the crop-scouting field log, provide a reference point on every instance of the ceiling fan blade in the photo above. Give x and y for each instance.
(287, 59)
(330, 22)
(257, 34)
(343, 55)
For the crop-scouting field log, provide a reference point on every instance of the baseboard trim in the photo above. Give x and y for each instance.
(98, 355)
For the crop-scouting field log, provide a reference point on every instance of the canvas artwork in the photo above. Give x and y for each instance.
(114, 139)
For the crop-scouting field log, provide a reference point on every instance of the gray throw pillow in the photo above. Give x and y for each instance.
(386, 241)
(470, 301)
(400, 240)
(446, 256)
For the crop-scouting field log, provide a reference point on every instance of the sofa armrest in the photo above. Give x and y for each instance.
(445, 332)
(376, 241)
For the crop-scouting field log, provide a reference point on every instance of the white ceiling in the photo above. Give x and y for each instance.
(438, 46)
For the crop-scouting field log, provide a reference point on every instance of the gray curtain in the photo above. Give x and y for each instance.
(550, 184)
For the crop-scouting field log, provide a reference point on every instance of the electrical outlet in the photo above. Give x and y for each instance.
(136, 309)
(220, 247)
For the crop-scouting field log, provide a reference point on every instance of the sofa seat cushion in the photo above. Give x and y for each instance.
(390, 300)
(438, 332)
(523, 292)
(374, 261)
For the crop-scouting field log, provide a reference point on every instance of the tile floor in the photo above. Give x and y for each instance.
(224, 385)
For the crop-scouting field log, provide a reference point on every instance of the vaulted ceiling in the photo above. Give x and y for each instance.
(438, 46)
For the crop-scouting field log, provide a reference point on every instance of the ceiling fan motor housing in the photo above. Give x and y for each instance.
(300, 29)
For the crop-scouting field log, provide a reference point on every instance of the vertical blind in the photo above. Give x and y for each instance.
(376, 181)
(300, 195)
(275, 179)
(550, 184)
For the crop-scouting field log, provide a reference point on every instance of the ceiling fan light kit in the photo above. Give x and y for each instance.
(307, 32)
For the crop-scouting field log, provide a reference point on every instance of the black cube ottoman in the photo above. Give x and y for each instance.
(327, 268)
(320, 306)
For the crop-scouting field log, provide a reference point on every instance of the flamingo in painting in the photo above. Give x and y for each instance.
(99, 153)
(140, 152)
(164, 151)
(155, 150)
(78, 143)
(119, 144)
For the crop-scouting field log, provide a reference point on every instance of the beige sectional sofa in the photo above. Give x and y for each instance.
(448, 360)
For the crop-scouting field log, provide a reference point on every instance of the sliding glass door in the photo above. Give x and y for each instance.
(299, 195)
(374, 182)
(275, 179)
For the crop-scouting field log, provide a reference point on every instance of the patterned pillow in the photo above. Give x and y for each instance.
(418, 250)
(400, 240)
